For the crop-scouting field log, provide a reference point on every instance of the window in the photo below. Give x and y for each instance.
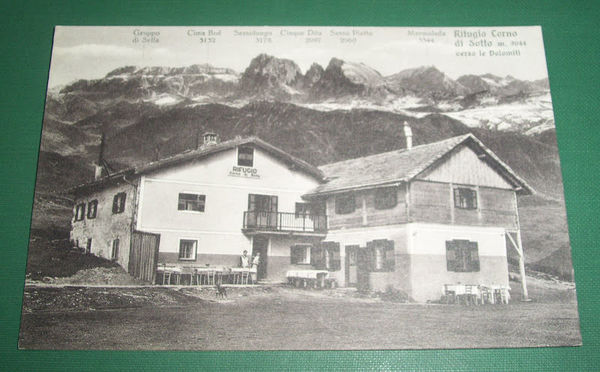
(88, 247)
(119, 203)
(92, 209)
(317, 208)
(302, 209)
(300, 254)
(345, 204)
(386, 198)
(115, 250)
(327, 256)
(462, 256)
(465, 198)
(262, 203)
(187, 249)
(245, 156)
(382, 257)
(191, 202)
(79, 211)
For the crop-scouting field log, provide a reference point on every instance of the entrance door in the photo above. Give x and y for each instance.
(143, 255)
(260, 244)
(351, 265)
(262, 211)
(362, 269)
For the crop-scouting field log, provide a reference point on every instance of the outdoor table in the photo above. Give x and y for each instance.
(306, 276)
(467, 292)
(501, 291)
(209, 272)
(167, 272)
(241, 272)
(477, 292)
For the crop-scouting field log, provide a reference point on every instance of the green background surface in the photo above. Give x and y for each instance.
(571, 40)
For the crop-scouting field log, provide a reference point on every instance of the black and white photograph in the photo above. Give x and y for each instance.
(298, 188)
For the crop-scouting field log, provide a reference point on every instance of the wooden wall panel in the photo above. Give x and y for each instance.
(430, 202)
(464, 167)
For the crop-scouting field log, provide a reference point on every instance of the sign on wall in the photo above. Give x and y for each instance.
(247, 172)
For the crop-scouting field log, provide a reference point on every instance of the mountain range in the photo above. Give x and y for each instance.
(342, 111)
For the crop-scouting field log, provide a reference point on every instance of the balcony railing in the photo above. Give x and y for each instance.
(288, 222)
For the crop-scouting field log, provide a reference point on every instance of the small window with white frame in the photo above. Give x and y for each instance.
(92, 210)
(119, 203)
(79, 211)
(245, 156)
(191, 202)
(187, 249)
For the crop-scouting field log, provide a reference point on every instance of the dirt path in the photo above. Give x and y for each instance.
(278, 318)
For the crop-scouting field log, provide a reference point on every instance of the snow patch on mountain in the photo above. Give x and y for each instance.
(516, 116)
(164, 100)
(359, 73)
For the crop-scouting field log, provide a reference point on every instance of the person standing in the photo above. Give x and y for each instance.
(245, 260)
(255, 263)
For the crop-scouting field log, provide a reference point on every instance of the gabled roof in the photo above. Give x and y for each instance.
(403, 165)
(202, 153)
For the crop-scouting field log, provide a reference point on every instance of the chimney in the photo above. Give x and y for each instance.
(99, 166)
(210, 138)
(408, 135)
(97, 172)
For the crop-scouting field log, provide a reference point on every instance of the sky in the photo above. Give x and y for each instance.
(92, 52)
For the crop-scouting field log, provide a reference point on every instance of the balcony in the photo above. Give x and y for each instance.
(284, 223)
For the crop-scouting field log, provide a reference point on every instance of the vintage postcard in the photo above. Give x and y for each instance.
(261, 188)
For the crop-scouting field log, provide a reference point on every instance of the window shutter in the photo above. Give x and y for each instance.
(457, 198)
(336, 261)
(251, 202)
(295, 254)
(370, 253)
(273, 203)
(474, 256)
(389, 256)
(316, 258)
(332, 250)
(474, 198)
(451, 253)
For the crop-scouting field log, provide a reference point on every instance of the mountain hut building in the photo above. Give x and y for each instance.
(413, 219)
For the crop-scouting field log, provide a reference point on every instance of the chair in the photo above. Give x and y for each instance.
(194, 276)
(169, 273)
(244, 277)
(210, 277)
(500, 295)
(472, 294)
(487, 295)
(235, 276)
(166, 277)
(219, 277)
(449, 294)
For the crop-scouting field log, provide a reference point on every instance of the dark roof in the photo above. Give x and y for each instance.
(201, 153)
(403, 165)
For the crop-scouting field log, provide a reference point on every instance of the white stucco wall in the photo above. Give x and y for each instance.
(219, 228)
(427, 249)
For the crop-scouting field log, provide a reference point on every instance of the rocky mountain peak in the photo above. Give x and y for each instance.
(271, 70)
(314, 74)
(426, 80)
